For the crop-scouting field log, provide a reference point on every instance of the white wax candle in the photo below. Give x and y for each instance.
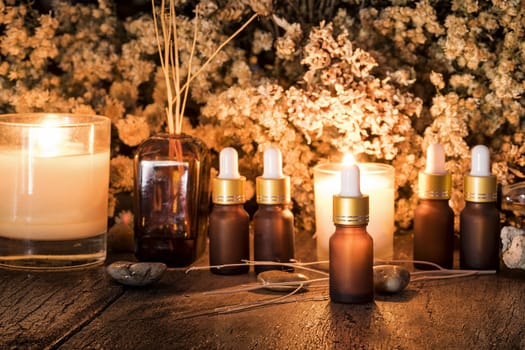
(377, 181)
(53, 197)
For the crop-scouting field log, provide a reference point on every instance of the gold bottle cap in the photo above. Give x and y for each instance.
(350, 210)
(480, 185)
(480, 189)
(272, 190)
(434, 186)
(228, 191)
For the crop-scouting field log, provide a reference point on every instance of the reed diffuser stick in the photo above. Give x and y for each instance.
(168, 47)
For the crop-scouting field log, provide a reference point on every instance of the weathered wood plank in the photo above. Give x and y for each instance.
(476, 312)
(86, 310)
(39, 310)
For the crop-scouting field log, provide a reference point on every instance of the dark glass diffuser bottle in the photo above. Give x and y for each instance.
(479, 220)
(351, 248)
(433, 217)
(171, 199)
(229, 230)
(273, 222)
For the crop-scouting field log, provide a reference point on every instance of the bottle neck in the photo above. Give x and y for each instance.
(228, 206)
(480, 204)
(351, 228)
(443, 202)
(272, 206)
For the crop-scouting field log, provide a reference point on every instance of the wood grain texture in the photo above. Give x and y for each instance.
(39, 310)
(91, 312)
(476, 312)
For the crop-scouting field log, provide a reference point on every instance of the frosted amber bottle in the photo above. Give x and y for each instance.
(273, 236)
(479, 220)
(433, 217)
(351, 248)
(229, 223)
(351, 265)
(434, 233)
(273, 222)
(229, 238)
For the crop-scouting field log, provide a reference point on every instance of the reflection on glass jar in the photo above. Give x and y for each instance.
(171, 199)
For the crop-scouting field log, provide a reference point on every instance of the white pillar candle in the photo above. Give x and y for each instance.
(377, 181)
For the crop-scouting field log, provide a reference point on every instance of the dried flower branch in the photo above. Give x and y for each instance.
(169, 60)
(168, 47)
(365, 81)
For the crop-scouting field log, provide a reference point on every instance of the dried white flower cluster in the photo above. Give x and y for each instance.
(379, 81)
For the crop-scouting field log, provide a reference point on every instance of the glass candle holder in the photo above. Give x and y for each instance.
(54, 190)
(377, 181)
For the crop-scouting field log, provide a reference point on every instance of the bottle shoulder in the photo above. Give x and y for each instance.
(269, 209)
(354, 233)
(488, 208)
(233, 209)
(271, 213)
(433, 206)
(351, 229)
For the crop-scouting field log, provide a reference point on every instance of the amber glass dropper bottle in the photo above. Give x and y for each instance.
(229, 223)
(433, 217)
(273, 222)
(351, 249)
(479, 220)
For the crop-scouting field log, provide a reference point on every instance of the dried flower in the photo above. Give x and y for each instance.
(261, 7)
(382, 79)
(437, 80)
(121, 173)
(132, 130)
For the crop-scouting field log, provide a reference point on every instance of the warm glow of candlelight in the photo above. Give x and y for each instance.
(348, 159)
(377, 181)
(46, 139)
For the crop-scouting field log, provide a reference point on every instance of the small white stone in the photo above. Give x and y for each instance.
(136, 274)
(513, 247)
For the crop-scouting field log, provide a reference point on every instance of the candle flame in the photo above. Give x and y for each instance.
(46, 139)
(348, 159)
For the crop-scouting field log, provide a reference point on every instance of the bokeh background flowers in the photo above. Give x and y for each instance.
(381, 79)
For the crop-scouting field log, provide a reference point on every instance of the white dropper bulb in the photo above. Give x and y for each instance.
(480, 162)
(273, 161)
(350, 178)
(228, 164)
(435, 159)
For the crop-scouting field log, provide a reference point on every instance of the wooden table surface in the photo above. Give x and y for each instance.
(86, 310)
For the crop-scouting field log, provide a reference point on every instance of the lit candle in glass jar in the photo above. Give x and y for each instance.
(377, 181)
(54, 190)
